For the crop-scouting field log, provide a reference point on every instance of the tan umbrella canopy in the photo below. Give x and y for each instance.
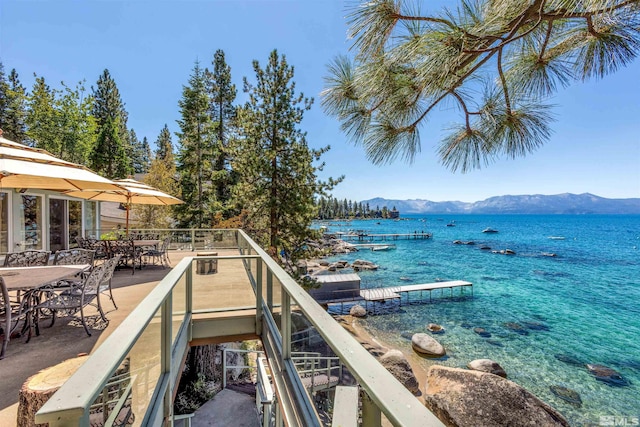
(129, 192)
(28, 167)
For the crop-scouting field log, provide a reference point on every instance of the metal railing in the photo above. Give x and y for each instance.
(155, 337)
(185, 239)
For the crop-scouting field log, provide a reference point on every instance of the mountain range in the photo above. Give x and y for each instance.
(566, 203)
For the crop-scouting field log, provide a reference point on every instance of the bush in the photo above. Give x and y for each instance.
(195, 394)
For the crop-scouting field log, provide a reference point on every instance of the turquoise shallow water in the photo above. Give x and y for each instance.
(586, 299)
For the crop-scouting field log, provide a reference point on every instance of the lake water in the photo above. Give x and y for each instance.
(583, 303)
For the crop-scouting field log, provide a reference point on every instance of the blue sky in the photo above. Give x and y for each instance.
(150, 48)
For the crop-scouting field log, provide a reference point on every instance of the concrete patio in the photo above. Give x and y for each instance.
(67, 339)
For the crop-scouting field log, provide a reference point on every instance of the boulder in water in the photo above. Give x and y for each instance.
(516, 327)
(487, 365)
(482, 332)
(536, 326)
(460, 397)
(566, 394)
(434, 328)
(361, 264)
(427, 346)
(358, 311)
(607, 375)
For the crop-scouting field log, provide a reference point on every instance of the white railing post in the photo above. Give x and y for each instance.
(258, 296)
(370, 412)
(285, 328)
(165, 353)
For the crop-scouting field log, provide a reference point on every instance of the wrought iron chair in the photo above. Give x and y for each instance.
(5, 317)
(99, 246)
(161, 254)
(128, 252)
(74, 256)
(28, 258)
(105, 284)
(65, 299)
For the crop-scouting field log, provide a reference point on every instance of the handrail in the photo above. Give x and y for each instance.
(69, 406)
(397, 403)
(82, 388)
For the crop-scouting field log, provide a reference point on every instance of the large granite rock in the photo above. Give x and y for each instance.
(607, 375)
(358, 311)
(460, 397)
(399, 366)
(487, 365)
(427, 346)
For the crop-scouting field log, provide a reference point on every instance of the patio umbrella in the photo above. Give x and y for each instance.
(129, 192)
(28, 167)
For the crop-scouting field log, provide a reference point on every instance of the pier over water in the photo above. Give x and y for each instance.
(366, 237)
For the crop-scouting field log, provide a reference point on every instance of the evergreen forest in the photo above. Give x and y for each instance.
(234, 165)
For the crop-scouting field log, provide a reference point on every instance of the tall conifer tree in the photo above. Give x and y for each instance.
(14, 108)
(139, 154)
(223, 113)
(278, 180)
(4, 89)
(77, 127)
(42, 118)
(197, 153)
(161, 175)
(110, 154)
(164, 146)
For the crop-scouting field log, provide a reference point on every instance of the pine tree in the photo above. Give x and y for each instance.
(164, 146)
(4, 90)
(42, 118)
(277, 179)
(76, 124)
(498, 62)
(196, 154)
(14, 108)
(110, 154)
(139, 154)
(161, 175)
(223, 113)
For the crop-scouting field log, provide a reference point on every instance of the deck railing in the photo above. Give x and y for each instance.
(153, 340)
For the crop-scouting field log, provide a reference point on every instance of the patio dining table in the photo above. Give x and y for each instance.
(26, 281)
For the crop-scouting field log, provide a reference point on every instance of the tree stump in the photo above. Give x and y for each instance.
(41, 386)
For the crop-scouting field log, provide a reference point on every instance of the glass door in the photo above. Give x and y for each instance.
(31, 222)
(65, 223)
(57, 224)
(4, 222)
(75, 222)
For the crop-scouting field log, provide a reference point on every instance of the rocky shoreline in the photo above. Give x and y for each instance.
(480, 395)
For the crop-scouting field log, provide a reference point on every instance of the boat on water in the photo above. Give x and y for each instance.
(451, 224)
(489, 230)
(556, 237)
(381, 248)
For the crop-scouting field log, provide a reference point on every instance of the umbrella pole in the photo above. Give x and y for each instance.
(127, 220)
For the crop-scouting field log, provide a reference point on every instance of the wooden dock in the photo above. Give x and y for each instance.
(395, 292)
(366, 237)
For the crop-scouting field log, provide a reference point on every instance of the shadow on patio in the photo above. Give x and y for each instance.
(67, 338)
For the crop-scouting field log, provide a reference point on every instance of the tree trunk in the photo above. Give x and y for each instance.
(40, 387)
(202, 359)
